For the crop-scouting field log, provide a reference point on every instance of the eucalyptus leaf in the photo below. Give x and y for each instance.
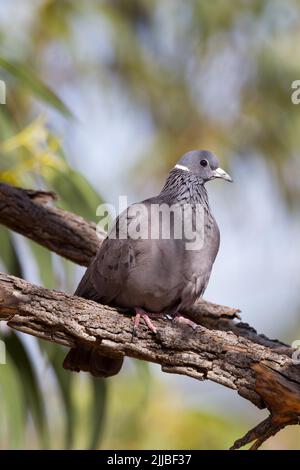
(30, 386)
(29, 79)
(12, 403)
(97, 411)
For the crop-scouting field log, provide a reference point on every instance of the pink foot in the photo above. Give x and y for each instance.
(140, 313)
(184, 321)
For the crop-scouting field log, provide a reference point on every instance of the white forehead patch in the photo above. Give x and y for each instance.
(181, 167)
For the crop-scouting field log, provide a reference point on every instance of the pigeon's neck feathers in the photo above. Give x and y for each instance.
(184, 187)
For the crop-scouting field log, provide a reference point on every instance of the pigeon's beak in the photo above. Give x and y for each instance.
(219, 173)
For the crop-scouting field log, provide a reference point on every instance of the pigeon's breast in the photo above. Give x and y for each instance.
(160, 273)
(169, 274)
(198, 263)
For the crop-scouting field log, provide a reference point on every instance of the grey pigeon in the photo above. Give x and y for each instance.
(152, 273)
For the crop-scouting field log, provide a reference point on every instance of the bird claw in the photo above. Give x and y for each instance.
(139, 313)
(178, 318)
(149, 323)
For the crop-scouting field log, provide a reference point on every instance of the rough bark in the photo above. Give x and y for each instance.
(221, 349)
(31, 214)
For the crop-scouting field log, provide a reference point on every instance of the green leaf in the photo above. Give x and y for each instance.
(7, 127)
(76, 193)
(65, 382)
(43, 259)
(97, 411)
(29, 385)
(12, 404)
(8, 253)
(145, 378)
(29, 79)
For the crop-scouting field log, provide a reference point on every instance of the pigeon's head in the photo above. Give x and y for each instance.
(203, 164)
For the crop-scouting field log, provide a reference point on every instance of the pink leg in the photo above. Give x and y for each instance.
(184, 321)
(140, 313)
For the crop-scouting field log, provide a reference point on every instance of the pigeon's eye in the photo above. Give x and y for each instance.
(203, 163)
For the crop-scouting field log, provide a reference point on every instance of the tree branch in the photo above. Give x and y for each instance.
(222, 350)
(31, 214)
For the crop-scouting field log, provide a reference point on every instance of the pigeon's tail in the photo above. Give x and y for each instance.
(87, 359)
(84, 357)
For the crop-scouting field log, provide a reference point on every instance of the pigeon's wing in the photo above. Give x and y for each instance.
(86, 288)
(83, 357)
(116, 256)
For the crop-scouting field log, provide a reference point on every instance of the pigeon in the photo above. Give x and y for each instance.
(157, 258)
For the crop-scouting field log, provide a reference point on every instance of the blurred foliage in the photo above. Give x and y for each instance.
(32, 156)
(31, 153)
(161, 419)
(204, 74)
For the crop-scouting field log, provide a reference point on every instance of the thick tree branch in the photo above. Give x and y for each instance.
(230, 353)
(31, 214)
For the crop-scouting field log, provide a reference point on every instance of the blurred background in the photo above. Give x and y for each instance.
(102, 97)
